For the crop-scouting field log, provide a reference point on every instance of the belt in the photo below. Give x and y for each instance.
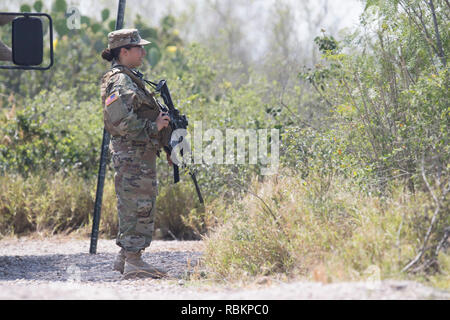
(125, 139)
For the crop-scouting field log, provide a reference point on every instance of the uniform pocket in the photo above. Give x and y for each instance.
(126, 161)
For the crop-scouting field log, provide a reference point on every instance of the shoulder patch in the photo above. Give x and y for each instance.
(113, 97)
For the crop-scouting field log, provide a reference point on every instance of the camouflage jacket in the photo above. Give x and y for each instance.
(129, 109)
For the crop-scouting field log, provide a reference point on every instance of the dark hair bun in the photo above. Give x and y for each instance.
(107, 55)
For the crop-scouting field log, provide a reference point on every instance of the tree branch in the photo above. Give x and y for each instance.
(433, 220)
(424, 27)
(448, 3)
(438, 36)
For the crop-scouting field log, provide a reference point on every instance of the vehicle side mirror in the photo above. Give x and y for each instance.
(27, 50)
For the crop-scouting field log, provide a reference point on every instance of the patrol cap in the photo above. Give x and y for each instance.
(123, 37)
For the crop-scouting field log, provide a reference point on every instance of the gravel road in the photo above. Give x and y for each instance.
(62, 268)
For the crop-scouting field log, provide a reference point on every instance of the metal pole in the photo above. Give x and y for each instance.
(103, 158)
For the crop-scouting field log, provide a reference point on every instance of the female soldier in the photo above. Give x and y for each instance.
(138, 130)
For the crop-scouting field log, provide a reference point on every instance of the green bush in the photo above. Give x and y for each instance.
(52, 132)
(391, 104)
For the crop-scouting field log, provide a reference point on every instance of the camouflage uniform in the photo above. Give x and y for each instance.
(130, 112)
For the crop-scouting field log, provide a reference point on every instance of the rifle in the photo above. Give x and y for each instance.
(177, 121)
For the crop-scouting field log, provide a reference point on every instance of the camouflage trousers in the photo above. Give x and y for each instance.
(136, 189)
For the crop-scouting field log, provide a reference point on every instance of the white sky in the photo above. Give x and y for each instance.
(344, 11)
(200, 21)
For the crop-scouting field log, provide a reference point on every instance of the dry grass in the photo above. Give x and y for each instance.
(46, 204)
(53, 203)
(284, 226)
(60, 203)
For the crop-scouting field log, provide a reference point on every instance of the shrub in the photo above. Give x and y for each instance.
(54, 204)
(284, 226)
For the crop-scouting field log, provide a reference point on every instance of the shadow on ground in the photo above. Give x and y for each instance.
(86, 267)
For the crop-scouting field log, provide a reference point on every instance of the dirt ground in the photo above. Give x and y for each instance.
(62, 268)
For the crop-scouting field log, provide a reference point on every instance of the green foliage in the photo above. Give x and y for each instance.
(38, 6)
(154, 56)
(326, 43)
(53, 132)
(105, 15)
(25, 8)
(327, 155)
(376, 96)
(59, 6)
(112, 25)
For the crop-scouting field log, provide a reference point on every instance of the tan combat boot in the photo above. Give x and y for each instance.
(135, 267)
(119, 263)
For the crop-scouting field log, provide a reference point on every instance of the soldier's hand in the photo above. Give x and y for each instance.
(162, 121)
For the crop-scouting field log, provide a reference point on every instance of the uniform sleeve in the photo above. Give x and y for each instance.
(129, 124)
